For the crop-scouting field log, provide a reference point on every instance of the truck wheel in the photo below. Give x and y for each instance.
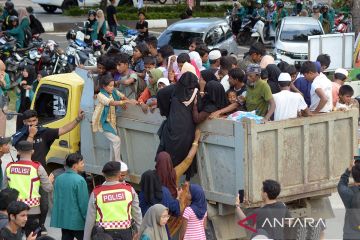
(210, 231)
(313, 233)
(68, 4)
(49, 8)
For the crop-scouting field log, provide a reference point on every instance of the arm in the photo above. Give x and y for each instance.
(199, 117)
(90, 217)
(82, 197)
(323, 99)
(128, 81)
(70, 126)
(183, 228)
(136, 210)
(271, 109)
(172, 203)
(344, 191)
(185, 164)
(225, 110)
(5, 182)
(44, 179)
(306, 113)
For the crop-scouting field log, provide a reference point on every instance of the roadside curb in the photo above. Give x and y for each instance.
(65, 26)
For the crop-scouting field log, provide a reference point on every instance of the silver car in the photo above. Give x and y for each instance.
(215, 32)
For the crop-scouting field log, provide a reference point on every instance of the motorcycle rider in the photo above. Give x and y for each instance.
(328, 15)
(279, 14)
(91, 26)
(316, 14)
(270, 11)
(9, 11)
(259, 11)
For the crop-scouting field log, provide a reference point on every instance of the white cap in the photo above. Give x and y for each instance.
(123, 167)
(342, 71)
(214, 54)
(164, 81)
(284, 77)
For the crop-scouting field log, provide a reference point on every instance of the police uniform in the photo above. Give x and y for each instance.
(113, 206)
(27, 176)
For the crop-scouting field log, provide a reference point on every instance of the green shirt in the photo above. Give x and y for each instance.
(257, 97)
(19, 32)
(71, 197)
(3, 89)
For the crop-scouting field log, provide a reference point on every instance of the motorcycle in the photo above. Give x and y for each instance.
(53, 59)
(244, 36)
(258, 32)
(342, 24)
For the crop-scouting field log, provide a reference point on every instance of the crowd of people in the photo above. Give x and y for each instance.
(188, 89)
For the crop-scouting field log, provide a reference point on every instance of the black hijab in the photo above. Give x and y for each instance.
(273, 73)
(151, 187)
(208, 75)
(215, 97)
(163, 97)
(185, 86)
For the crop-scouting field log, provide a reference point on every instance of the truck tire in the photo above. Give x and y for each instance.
(210, 231)
(68, 4)
(313, 233)
(49, 8)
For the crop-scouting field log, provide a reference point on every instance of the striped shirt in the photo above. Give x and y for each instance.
(195, 229)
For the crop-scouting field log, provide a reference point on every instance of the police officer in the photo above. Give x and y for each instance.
(109, 206)
(27, 176)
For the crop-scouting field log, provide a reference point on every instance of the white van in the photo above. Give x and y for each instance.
(291, 40)
(50, 6)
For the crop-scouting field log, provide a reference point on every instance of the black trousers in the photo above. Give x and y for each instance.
(121, 234)
(44, 206)
(71, 234)
(32, 224)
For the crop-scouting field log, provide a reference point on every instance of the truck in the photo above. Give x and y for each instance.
(306, 155)
(51, 6)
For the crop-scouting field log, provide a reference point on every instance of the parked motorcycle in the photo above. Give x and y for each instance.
(244, 36)
(258, 32)
(53, 59)
(343, 24)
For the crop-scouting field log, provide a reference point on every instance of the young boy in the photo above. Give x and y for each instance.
(149, 63)
(231, 96)
(142, 26)
(4, 149)
(340, 77)
(128, 77)
(346, 102)
(237, 81)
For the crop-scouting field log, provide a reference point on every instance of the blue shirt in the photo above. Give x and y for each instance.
(304, 86)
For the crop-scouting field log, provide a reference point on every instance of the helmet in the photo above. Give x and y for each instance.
(127, 49)
(71, 34)
(324, 7)
(13, 19)
(270, 4)
(110, 36)
(92, 12)
(316, 7)
(279, 4)
(96, 45)
(30, 10)
(51, 44)
(9, 5)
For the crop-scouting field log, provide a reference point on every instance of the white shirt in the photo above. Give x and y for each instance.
(288, 104)
(324, 83)
(225, 82)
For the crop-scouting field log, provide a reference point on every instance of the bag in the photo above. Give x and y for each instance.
(354, 211)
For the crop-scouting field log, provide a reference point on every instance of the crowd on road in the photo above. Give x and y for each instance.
(188, 89)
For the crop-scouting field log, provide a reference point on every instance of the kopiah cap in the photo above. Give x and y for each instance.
(4, 140)
(284, 77)
(214, 55)
(253, 68)
(342, 71)
(24, 146)
(123, 167)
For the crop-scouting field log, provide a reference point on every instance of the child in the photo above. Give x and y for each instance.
(340, 77)
(127, 79)
(237, 81)
(175, 66)
(346, 102)
(195, 42)
(149, 64)
(91, 26)
(231, 96)
(104, 117)
(143, 27)
(194, 217)
(151, 90)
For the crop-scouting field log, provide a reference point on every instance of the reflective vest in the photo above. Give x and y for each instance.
(113, 206)
(23, 176)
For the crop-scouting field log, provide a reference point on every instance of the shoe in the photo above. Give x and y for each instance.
(43, 231)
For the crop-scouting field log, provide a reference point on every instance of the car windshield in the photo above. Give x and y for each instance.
(299, 32)
(177, 39)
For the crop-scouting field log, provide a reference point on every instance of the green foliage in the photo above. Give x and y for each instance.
(158, 12)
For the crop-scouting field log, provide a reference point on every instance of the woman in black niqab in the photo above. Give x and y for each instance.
(273, 73)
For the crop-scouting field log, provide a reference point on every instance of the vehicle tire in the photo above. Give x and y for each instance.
(314, 233)
(162, 1)
(243, 38)
(68, 4)
(49, 8)
(210, 231)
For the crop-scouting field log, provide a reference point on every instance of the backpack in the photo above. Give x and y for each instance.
(354, 211)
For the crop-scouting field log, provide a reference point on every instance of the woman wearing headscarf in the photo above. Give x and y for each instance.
(25, 93)
(195, 215)
(4, 87)
(101, 27)
(153, 223)
(273, 75)
(153, 192)
(177, 131)
(151, 90)
(205, 77)
(213, 100)
(19, 32)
